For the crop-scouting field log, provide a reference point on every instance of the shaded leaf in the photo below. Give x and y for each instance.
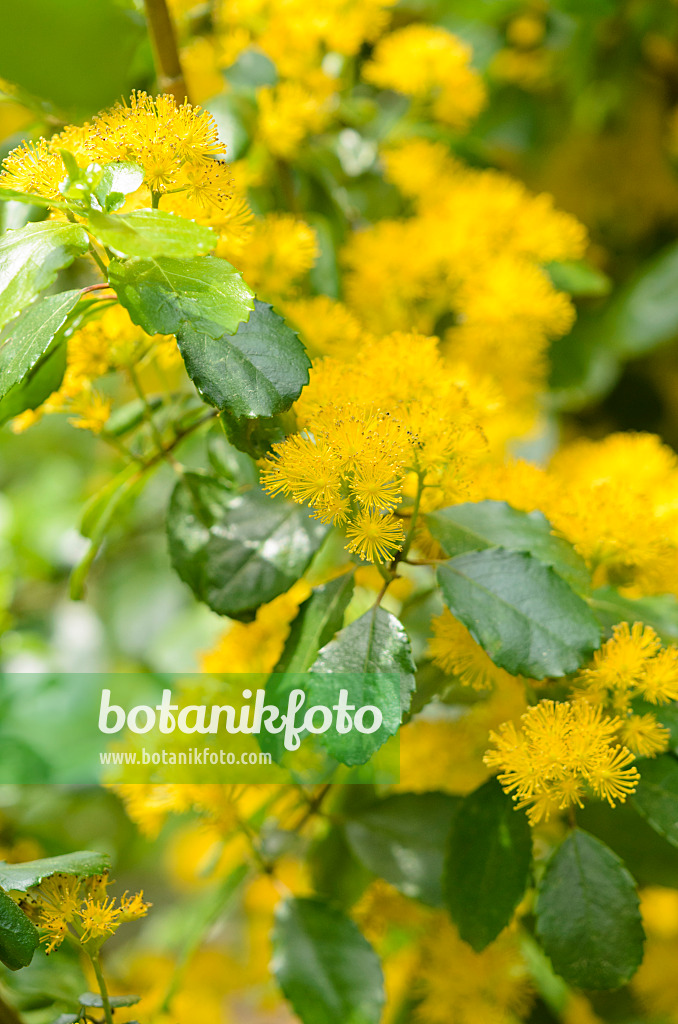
(588, 919)
(239, 551)
(656, 797)
(487, 524)
(326, 969)
(94, 999)
(487, 868)
(402, 838)
(18, 936)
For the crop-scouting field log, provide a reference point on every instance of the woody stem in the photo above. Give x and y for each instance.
(165, 50)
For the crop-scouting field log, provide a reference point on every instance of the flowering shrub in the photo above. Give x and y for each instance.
(319, 328)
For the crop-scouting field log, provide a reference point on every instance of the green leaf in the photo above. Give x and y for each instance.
(117, 180)
(67, 1018)
(658, 610)
(326, 969)
(489, 524)
(588, 920)
(163, 294)
(18, 936)
(22, 877)
(402, 838)
(237, 551)
(656, 797)
(94, 999)
(29, 364)
(579, 278)
(375, 651)
(258, 371)
(521, 612)
(30, 259)
(335, 873)
(319, 617)
(487, 868)
(152, 233)
(11, 195)
(644, 313)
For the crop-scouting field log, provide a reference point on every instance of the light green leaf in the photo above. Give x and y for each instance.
(579, 278)
(521, 612)
(27, 349)
(117, 180)
(94, 999)
(237, 551)
(161, 295)
(588, 920)
(30, 259)
(18, 936)
(375, 651)
(487, 868)
(149, 233)
(257, 372)
(12, 195)
(488, 524)
(656, 797)
(657, 610)
(22, 877)
(326, 969)
(402, 838)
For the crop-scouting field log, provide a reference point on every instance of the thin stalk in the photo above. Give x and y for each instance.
(148, 412)
(165, 50)
(101, 981)
(98, 260)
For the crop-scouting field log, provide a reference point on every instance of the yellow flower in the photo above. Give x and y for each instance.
(427, 62)
(375, 537)
(291, 111)
(279, 250)
(561, 751)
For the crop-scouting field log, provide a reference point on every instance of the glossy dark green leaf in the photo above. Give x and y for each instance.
(151, 233)
(162, 295)
(375, 651)
(320, 616)
(521, 612)
(487, 868)
(588, 920)
(402, 838)
(237, 551)
(21, 877)
(18, 936)
(656, 797)
(257, 372)
(30, 259)
(326, 969)
(30, 368)
(488, 524)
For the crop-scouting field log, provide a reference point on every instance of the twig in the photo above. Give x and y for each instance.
(165, 50)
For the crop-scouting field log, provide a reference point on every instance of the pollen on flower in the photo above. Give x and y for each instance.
(454, 650)
(563, 752)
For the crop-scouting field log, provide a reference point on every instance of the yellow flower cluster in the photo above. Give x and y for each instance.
(616, 500)
(470, 258)
(430, 64)
(633, 664)
(362, 438)
(177, 147)
(562, 752)
(65, 904)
